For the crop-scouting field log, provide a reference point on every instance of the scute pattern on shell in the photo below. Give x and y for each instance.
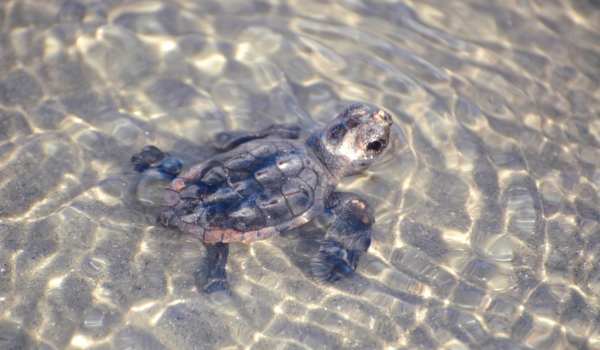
(261, 188)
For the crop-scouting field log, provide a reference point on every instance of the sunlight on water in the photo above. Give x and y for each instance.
(487, 203)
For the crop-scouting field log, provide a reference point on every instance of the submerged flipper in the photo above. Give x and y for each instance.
(217, 277)
(151, 157)
(226, 141)
(348, 236)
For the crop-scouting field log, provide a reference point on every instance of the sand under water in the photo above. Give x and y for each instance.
(487, 202)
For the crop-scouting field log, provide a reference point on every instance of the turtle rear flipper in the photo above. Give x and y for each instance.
(217, 277)
(152, 157)
(148, 156)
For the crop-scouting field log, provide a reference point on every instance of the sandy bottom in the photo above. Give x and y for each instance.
(487, 202)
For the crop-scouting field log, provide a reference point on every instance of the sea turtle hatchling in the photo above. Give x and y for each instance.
(269, 182)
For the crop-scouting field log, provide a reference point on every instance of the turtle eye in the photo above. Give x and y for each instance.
(375, 146)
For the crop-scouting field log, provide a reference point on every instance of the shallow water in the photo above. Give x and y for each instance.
(487, 205)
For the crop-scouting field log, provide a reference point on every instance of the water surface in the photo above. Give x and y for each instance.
(487, 204)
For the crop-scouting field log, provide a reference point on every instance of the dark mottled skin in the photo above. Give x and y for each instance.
(269, 182)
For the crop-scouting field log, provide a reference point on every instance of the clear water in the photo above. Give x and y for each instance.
(487, 204)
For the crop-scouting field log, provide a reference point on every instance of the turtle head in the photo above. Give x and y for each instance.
(354, 139)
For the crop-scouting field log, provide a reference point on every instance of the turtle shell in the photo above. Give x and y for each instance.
(260, 188)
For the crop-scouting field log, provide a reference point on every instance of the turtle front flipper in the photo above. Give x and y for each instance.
(226, 141)
(217, 277)
(348, 236)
